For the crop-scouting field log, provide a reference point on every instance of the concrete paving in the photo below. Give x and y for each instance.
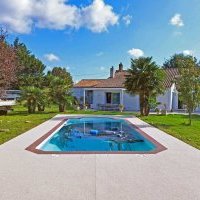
(172, 174)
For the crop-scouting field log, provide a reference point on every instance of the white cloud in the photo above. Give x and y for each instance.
(55, 14)
(127, 19)
(21, 16)
(15, 15)
(176, 20)
(98, 16)
(51, 57)
(188, 52)
(136, 53)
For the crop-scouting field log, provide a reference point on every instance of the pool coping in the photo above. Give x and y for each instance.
(33, 147)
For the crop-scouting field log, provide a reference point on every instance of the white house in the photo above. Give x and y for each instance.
(109, 93)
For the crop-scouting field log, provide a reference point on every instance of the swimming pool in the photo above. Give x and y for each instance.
(97, 135)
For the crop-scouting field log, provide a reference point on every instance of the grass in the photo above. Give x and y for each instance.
(19, 121)
(100, 112)
(177, 126)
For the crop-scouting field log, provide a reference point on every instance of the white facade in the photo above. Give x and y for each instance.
(130, 102)
(169, 99)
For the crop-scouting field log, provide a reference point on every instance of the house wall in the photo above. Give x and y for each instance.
(131, 102)
(170, 98)
(174, 98)
(99, 97)
(198, 109)
(164, 99)
(78, 92)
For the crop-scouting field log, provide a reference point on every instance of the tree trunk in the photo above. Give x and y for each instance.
(147, 111)
(29, 109)
(41, 108)
(61, 107)
(3, 112)
(146, 105)
(31, 106)
(141, 104)
(190, 117)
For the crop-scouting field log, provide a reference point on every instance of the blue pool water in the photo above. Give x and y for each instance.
(97, 134)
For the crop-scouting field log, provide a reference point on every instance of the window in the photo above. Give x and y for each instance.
(115, 98)
(112, 98)
(89, 97)
(108, 97)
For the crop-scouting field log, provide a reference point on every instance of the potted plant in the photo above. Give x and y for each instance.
(76, 104)
(157, 110)
(121, 107)
(164, 111)
(85, 106)
(78, 107)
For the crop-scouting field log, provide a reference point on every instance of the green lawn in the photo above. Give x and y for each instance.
(176, 125)
(19, 121)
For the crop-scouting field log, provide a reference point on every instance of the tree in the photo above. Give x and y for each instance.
(177, 61)
(60, 92)
(144, 78)
(31, 71)
(8, 63)
(34, 97)
(63, 74)
(31, 77)
(44, 99)
(60, 83)
(30, 95)
(189, 86)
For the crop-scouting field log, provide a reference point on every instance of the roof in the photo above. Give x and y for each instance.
(87, 83)
(119, 79)
(170, 76)
(116, 82)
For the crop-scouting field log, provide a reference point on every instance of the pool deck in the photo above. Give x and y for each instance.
(173, 174)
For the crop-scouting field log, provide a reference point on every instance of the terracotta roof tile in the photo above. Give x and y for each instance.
(119, 79)
(116, 82)
(170, 76)
(87, 83)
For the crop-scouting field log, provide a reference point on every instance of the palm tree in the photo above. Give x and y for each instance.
(60, 92)
(30, 95)
(144, 78)
(43, 99)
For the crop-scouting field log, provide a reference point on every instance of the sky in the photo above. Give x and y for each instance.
(88, 37)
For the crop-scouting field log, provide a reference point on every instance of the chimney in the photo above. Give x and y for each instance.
(120, 67)
(112, 72)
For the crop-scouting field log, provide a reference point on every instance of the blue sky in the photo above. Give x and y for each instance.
(88, 37)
